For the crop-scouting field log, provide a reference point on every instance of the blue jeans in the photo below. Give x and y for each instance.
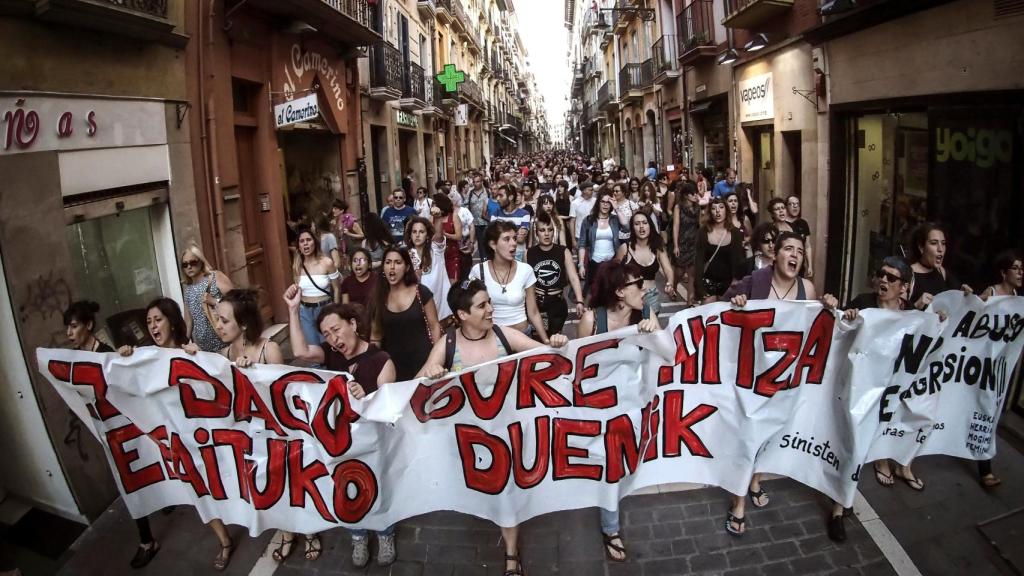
(389, 531)
(307, 320)
(609, 521)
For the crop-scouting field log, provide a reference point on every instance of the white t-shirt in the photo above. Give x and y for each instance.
(422, 207)
(580, 209)
(466, 217)
(509, 301)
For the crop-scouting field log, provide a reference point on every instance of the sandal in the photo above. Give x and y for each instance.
(913, 481)
(755, 496)
(144, 554)
(284, 549)
(731, 519)
(313, 547)
(883, 478)
(610, 548)
(990, 480)
(518, 570)
(222, 559)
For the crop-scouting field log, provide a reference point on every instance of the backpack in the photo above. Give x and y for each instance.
(449, 344)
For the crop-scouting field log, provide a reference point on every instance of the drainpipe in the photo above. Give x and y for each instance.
(210, 144)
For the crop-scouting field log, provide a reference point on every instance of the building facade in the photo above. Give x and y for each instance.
(98, 193)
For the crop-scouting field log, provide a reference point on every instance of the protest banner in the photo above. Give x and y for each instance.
(720, 393)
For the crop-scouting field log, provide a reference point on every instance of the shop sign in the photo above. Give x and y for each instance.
(303, 62)
(980, 147)
(407, 119)
(756, 99)
(294, 111)
(462, 115)
(37, 124)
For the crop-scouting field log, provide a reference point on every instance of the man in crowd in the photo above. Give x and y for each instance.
(581, 207)
(397, 214)
(726, 185)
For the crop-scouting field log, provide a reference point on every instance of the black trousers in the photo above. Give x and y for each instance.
(145, 535)
(554, 311)
(984, 467)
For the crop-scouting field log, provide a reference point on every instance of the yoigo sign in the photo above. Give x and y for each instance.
(756, 100)
(981, 147)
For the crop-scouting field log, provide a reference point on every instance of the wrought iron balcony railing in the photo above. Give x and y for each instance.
(413, 83)
(386, 67)
(663, 53)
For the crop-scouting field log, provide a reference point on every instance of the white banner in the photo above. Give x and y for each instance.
(719, 394)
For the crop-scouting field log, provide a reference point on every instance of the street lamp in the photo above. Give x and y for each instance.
(728, 57)
(758, 42)
(645, 14)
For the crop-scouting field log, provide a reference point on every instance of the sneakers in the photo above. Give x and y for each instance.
(361, 551)
(385, 549)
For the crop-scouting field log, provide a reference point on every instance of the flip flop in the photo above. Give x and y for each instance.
(884, 479)
(313, 547)
(731, 519)
(990, 481)
(755, 496)
(610, 547)
(914, 482)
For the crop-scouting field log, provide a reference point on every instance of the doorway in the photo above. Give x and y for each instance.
(764, 162)
(378, 144)
(792, 159)
(254, 271)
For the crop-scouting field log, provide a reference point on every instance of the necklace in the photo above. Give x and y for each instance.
(507, 276)
(791, 286)
(463, 332)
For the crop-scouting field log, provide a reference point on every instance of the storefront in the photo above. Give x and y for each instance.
(709, 126)
(95, 193)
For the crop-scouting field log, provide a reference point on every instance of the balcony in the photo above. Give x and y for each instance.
(459, 18)
(140, 19)
(748, 14)
(345, 21)
(431, 95)
(427, 8)
(633, 79)
(696, 26)
(605, 97)
(469, 91)
(413, 97)
(621, 18)
(386, 78)
(443, 98)
(664, 59)
(444, 10)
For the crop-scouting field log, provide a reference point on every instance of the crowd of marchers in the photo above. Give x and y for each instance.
(497, 262)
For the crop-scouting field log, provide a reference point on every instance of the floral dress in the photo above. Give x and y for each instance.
(203, 334)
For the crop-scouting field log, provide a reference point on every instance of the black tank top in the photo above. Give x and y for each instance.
(648, 272)
(548, 266)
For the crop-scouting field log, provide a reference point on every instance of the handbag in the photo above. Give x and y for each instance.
(207, 309)
(711, 286)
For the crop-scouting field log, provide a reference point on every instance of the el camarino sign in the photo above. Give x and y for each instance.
(293, 111)
(756, 99)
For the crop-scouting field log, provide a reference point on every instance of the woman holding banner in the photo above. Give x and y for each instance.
(780, 281)
(478, 340)
(618, 299)
(346, 349)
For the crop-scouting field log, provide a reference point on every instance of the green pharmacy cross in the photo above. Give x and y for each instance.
(451, 78)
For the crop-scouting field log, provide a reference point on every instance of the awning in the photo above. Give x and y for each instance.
(701, 107)
(506, 137)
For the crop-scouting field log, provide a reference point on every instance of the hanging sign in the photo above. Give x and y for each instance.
(462, 115)
(298, 110)
(756, 99)
(451, 78)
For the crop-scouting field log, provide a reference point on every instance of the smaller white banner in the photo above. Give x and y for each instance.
(756, 99)
(299, 110)
(462, 115)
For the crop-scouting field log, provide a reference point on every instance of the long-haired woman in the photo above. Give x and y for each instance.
(563, 207)
(738, 218)
(685, 225)
(646, 250)
(623, 207)
(347, 230)
(403, 315)
(719, 256)
(509, 282)
(930, 275)
(476, 340)
(318, 279)
(616, 301)
(376, 238)
(358, 286)
(203, 288)
(599, 237)
(426, 244)
(166, 327)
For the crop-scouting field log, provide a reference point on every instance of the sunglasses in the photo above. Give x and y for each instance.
(190, 263)
(639, 283)
(890, 277)
(768, 240)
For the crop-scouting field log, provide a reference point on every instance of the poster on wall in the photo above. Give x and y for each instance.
(756, 99)
(462, 115)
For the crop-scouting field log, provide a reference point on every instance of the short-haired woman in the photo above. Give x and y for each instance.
(345, 348)
(478, 339)
(203, 288)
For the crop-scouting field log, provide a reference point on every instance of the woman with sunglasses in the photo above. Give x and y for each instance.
(763, 244)
(599, 237)
(780, 281)
(203, 288)
(476, 340)
(616, 301)
(644, 245)
(403, 316)
(685, 224)
(345, 349)
(719, 256)
(318, 280)
(166, 327)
